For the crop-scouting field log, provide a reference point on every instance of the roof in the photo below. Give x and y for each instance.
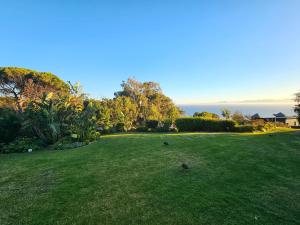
(284, 117)
(280, 114)
(255, 116)
(276, 115)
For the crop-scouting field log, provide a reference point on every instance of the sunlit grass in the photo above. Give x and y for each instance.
(135, 179)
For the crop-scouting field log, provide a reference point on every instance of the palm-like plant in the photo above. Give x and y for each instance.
(41, 118)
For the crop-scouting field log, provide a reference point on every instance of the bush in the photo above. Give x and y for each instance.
(152, 124)
(22, 145)
(167, 124)
(120, 127)
(246, 128)
(269, 126)
(106, 130)
(10, 125)
(142, 129)
(295, 127)
(161, 129)
(200, 124)
(173, 129)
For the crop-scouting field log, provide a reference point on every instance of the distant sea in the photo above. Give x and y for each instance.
(264, 110)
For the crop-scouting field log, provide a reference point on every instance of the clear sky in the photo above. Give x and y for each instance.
(199, 51)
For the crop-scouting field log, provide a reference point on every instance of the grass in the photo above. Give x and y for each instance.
(234, 179)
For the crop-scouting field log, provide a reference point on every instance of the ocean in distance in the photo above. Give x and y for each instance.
(264, 110)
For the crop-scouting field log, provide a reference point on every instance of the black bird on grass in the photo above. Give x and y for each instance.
(270, 135)
(185, 166)
(166, 143)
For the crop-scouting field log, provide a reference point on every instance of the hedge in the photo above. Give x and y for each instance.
(245, 128)
(201, 124)
(152, 124)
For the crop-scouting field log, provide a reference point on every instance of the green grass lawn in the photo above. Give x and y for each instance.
(234, 179)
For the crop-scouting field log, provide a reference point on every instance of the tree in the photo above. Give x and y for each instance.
(151, 103)
(124, 112)
(238, 117)
(7, 102)
(42, 119)
(24, 85)
(297, 106)
(206, 115)
(226, 114)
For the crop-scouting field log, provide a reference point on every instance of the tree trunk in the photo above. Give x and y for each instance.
(17, 99)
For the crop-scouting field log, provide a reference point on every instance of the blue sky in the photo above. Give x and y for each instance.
(199, 51)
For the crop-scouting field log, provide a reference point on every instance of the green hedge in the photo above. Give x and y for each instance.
(245, 128)
(152, 124)
(200, 124)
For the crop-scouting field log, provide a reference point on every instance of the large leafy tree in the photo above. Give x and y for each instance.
(24, 85)
(124, 112)
(238, 117)
(150, 101)
(120, 111)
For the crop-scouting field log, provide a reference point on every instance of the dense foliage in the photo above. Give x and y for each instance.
(152, 124)
(39, 109)
(10, 125)
(297, 106)
(201, 124)
(238, 117)
(150, 102)
(24, 85)
(40, 106)
(206, 115)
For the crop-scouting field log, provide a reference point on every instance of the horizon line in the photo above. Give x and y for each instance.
(286, 101)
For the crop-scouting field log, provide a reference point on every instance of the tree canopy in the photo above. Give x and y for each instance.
(151, 103)
(23, 84)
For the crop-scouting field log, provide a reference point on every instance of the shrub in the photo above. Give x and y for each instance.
(106, 130)
(269, 126)
(22, 145)
(167, 124)
(238, 117)
(200, 124)
(246, 128)
(141, 129)
(10, 125)
(120, 127)
(152, 124)
(173, 129)
(257, 122)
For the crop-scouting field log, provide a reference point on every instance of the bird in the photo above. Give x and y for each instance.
(166, 143)
(270, 135)
(185, 166)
